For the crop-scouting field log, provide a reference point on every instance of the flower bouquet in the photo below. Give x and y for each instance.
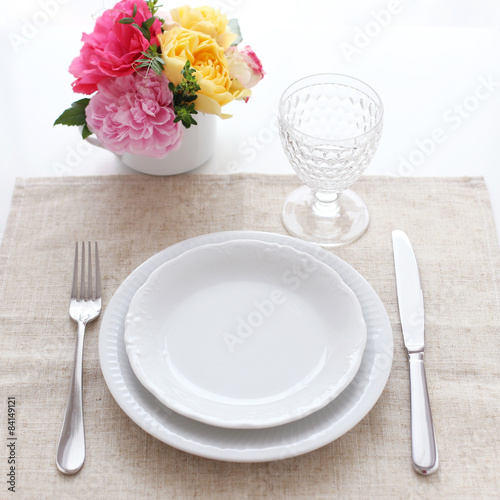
(149, 76)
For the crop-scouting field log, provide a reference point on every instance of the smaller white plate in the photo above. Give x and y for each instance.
(245, 334)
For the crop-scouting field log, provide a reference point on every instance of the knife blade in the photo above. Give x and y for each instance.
(411, 311)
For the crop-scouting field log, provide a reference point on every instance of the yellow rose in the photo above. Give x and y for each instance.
(179, 45)
(205, 20)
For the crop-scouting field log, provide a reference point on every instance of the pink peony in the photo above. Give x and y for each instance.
(112, 47)
(245, 66)
(134, 114)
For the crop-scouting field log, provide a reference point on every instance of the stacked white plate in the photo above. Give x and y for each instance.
(245, 346)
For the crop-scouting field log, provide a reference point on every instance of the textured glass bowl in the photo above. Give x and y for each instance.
(330, 126)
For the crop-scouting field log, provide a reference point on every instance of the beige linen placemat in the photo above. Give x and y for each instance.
(450, 223)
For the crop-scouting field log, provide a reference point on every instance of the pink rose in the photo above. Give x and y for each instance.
(134, 114)
(112, 47)
(245, 66)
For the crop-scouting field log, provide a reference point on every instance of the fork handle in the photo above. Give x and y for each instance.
(71, 449)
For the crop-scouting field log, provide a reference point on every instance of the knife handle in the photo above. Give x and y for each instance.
(423, 441)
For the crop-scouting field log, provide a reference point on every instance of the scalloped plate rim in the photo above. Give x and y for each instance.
(146, 364)
(260, 446)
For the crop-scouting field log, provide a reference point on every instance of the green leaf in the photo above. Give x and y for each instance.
(145, 32)
(153, 7)
(75, 115)
(148, 23)
(157, 67)
(141, 65)
(184, 95)
(126, 20)
(234, 27)
(151, 60)
(86, 131)
(134, 12)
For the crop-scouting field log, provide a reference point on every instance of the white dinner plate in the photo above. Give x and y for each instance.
(245, 334)
(247, 445)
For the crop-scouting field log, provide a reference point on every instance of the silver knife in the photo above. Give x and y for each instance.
(411, 311)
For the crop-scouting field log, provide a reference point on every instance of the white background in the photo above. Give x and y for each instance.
(429, 60)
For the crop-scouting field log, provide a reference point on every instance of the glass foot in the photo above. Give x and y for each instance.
(323, 221)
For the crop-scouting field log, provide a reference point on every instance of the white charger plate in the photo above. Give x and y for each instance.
(245, 334)
(247, 445)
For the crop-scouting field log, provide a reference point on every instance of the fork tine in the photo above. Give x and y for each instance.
(89, 282)
(97, 274)
(74, 286)
(82, 275)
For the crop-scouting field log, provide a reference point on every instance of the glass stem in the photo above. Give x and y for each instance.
(325, 204)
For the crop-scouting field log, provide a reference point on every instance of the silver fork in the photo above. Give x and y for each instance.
(84, 307)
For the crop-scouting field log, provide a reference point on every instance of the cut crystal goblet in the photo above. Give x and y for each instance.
(330, 126)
